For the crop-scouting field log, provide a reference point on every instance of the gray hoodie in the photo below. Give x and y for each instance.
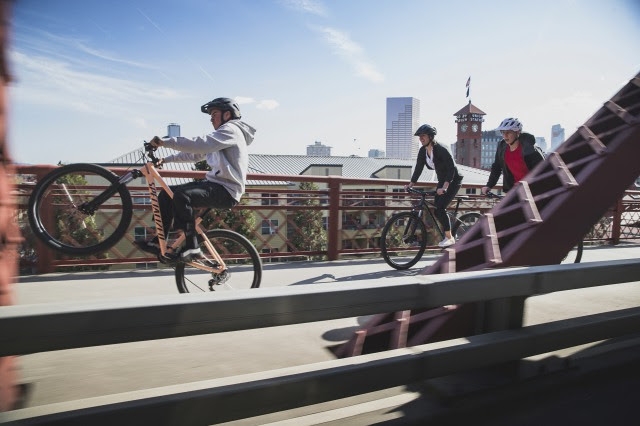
(225, 151)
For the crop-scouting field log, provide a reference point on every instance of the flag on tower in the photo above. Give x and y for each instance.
(468, 84)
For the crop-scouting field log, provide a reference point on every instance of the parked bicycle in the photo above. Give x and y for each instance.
(83, 209)
(404, 236)
(571, 257)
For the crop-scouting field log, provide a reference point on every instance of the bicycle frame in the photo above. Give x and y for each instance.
(423, 204)
(152, 177)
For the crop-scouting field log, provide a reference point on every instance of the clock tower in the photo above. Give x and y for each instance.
(469, 141)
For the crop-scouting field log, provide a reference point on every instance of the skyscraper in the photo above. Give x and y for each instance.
(542, 143)
(557, 136)
(318, 150)
(173, 130)
(403, 118)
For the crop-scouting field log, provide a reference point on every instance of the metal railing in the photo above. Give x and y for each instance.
(354, 212)
(47, 327)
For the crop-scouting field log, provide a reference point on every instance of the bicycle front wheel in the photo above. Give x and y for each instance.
(463, 223)
(243, 265)
(64, 214)
(403, 240)
(575, 255)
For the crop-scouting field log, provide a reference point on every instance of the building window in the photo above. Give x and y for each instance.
(269, 199)
(139, 233)
(396, 191)
(269, 226)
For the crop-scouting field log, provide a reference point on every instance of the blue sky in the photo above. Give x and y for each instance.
(94, 79)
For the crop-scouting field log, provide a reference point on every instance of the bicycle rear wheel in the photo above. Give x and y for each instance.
(244, 267)
(60, 216)
(463, 223)
(403, 240)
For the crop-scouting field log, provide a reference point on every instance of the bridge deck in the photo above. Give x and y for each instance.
(87, 372)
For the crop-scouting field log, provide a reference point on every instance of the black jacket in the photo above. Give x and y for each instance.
(532, 156)
(446, 170)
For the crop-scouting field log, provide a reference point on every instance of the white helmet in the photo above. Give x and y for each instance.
(510, 124)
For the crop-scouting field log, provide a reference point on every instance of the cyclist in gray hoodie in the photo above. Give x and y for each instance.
(225, 150)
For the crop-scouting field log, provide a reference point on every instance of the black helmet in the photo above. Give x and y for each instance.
(425, 129)
(223, 104)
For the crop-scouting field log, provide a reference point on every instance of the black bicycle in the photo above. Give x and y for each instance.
(84, 209)
(404, 236)
(570, 257)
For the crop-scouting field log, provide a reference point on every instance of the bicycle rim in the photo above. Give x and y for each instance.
(56, 214)
(575, 255)
(403, 240)
(463, 223)
(244, 267)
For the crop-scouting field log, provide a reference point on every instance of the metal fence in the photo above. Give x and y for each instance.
(354, 212)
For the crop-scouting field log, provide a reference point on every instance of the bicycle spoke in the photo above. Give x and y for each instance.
(403, 240)
(59, 215)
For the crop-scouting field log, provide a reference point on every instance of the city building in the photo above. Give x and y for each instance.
(490, 139)
(557, 136)
(173, 130)
(318, 150)
(468, 146)
(376, 153)
(542, 143)
(361, 226)
(403, 118)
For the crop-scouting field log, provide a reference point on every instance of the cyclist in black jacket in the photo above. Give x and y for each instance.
(437, 157)
(516, 155)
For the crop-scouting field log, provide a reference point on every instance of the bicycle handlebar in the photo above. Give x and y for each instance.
(150, 151)
(421, 192)
(490, 194)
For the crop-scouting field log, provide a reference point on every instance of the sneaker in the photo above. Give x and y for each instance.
(150, 246)
(447, 242)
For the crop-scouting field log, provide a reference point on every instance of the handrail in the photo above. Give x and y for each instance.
(346, 209)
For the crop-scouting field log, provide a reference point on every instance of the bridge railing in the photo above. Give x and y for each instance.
(26, 329)
(354, 212)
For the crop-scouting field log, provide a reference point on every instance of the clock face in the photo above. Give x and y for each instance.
(474, 127)
(463, 127)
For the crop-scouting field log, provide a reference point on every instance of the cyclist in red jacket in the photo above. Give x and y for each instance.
(516, 155)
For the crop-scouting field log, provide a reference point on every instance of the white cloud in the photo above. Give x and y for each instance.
(50, 82)
(353, 53)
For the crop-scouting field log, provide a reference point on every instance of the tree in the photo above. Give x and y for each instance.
(309, 233)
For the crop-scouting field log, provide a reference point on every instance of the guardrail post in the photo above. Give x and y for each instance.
(333, 237)
(615, 225)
